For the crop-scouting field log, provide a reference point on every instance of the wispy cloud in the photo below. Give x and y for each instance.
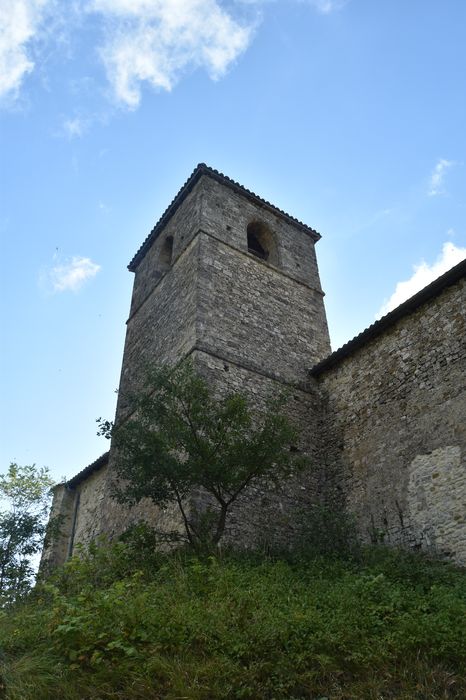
(20, 21)
(156, 41)
(147, 42)
(70, 275)
(327, 6)
(76, 127)
(438, 176)
(424, 274)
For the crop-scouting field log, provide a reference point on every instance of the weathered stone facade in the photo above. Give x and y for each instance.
(395, 427)
(231, 281)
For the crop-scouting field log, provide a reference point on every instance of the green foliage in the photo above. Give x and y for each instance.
(183, 626)
(180, 438)
(100, 563)
(326, 532)
(24, 500)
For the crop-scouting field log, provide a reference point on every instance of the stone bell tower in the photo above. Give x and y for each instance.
(226, 274)
(231, 281)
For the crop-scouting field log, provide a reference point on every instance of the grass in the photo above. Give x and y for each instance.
(126, 624)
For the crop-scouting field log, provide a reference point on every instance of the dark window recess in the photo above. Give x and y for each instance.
(255, 247)
(261, 242)
(166, 253)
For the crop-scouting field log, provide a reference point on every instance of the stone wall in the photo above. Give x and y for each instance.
(77, 511)
(217, 296)
(59, 528)
(254, 314)
(227, 302)
(266, 514)
(163, 327)
(271, 514)
(91, 495)
(396, 428)
(225, 214)
(183, 226)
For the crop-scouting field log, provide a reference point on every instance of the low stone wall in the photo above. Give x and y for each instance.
(395, 428)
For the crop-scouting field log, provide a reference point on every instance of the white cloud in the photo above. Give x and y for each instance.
(20, 21)
(71, 275)
(150, 42)
(438, 175)
(423, 275)
(155, 41)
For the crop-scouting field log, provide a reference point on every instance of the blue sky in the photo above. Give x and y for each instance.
(349, 115)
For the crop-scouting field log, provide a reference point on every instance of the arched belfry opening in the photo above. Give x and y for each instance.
(166, 253)
(261, 242)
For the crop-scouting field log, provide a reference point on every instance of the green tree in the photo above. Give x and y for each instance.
(181, 438)
(24, 501)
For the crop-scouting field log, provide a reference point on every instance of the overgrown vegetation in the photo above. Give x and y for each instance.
(180, 438)
(125, 622)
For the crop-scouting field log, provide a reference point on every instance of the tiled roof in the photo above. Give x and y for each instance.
(87, 471)
(406, 308)
(203, 169)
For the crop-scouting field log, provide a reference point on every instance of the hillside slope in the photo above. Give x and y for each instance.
(124, 623)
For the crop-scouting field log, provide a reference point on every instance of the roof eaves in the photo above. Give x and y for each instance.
(406, 308)
(87, 471)
(203, 169)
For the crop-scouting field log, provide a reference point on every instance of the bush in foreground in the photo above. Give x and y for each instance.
(178, 626)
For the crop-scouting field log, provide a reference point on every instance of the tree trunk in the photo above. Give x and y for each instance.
(220, 524)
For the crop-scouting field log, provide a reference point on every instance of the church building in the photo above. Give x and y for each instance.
(231, 281)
